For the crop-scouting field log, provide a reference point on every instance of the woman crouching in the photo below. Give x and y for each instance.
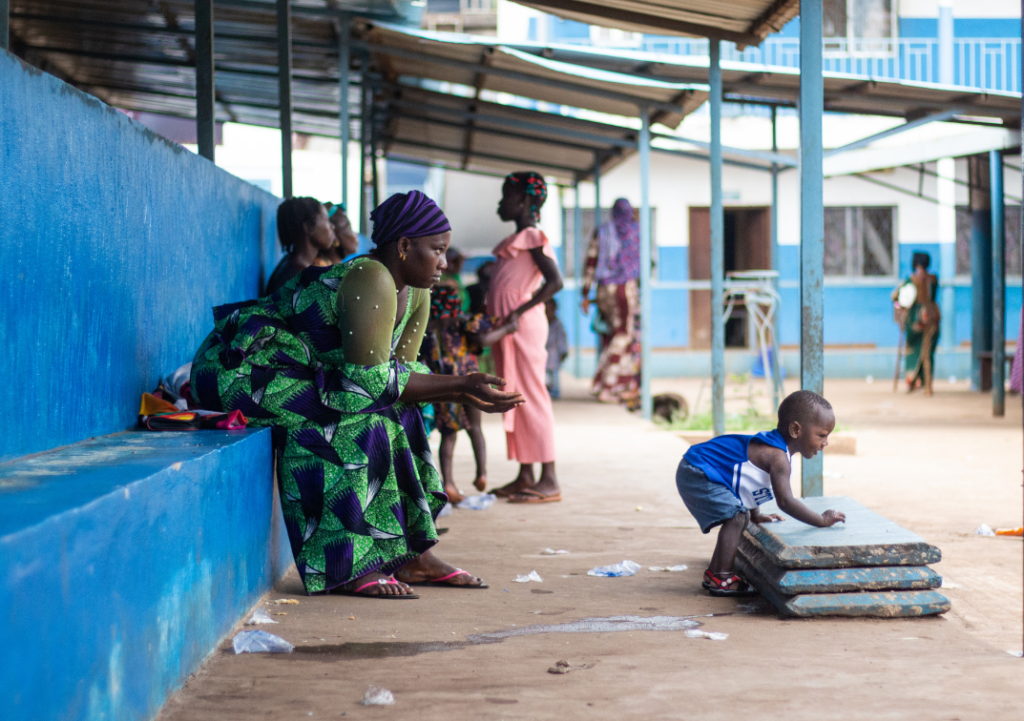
(329, 362)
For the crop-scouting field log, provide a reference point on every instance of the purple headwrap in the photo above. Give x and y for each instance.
(409, 215)
(618, 258)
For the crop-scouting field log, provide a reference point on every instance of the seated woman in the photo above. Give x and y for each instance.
(304, 231)
(346, 243)
(329, 363)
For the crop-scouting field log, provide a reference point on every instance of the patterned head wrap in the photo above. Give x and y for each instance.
(445, 302)
(534, 186)
(409, 215)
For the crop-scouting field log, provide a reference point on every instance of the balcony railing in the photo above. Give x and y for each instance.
(984, 63)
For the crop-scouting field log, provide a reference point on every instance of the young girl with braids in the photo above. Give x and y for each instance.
(525, 276)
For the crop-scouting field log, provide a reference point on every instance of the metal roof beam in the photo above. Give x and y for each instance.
(766, 156)
(863, 142)
(310, 12)
(515, 75)
(598, 140)
(680, 27)
(487, 156)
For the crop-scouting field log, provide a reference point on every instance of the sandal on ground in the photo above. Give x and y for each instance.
(529, 495)
(379, 582)
(722, 584)
(443, 581)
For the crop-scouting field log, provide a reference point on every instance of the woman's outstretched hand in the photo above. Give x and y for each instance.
(479, 393)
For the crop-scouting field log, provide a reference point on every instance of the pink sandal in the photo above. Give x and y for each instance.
(443, 580)
(378, 582)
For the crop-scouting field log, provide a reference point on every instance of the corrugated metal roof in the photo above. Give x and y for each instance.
(745, 22)
(747, 82)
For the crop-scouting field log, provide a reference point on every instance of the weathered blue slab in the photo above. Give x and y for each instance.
(893, 604)
(790, 582)
(123, 562)
(866, 539)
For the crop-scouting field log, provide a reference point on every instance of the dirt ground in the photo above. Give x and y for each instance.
(939, 466)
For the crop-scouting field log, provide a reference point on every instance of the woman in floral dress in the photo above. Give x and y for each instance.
(329, 362)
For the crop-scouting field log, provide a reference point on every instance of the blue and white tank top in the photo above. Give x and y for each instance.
(725, 460)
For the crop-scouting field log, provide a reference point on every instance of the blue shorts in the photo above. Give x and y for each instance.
(710, 502)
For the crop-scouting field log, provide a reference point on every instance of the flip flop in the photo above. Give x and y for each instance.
(529, 495)
(378, 582)
(443, 580)
(504, 491)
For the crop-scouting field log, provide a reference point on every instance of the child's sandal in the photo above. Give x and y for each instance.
(722, 585)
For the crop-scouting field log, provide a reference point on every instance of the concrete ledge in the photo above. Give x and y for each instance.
(124, 560)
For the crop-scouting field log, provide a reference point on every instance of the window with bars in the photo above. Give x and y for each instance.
(587, 226)
(858, 26)
(1011, 234)
(859, 242)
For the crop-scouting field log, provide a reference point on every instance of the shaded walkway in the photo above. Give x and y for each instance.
(950, 667)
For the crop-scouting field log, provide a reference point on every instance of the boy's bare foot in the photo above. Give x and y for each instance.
(375, 584)
(429, 568)
(480, 483)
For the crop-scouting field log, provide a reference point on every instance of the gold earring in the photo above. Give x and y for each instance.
(401, 256)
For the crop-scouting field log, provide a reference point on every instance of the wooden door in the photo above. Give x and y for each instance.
(700, 269)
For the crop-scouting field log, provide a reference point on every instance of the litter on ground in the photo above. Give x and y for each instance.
(259, 616)
(531, 576)
(624, 568)
(680, 567)
(551, 552)
(375, 696)
(259, 642)
(710, 635)
(479, 503)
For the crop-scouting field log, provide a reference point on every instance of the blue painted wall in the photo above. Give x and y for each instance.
(124, 560)
(114, 245)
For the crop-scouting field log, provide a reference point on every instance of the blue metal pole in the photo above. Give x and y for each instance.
(577, 267)
(284, 90)
(981, 266)
(717, 244)
(646, 406)
(775, 265)
(344, 116)
(995, 163)
(812, 223)
(205, 94)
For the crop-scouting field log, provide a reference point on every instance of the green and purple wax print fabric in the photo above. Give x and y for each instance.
(358, 485)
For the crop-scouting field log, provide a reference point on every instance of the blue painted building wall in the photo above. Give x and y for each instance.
(114, 245)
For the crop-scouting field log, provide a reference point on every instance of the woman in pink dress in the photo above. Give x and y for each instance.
(525, 276)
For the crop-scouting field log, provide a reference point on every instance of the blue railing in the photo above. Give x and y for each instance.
(984, 63)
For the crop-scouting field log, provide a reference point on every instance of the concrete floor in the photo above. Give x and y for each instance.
(939, 466)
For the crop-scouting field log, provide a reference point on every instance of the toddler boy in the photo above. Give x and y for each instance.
(723, 480)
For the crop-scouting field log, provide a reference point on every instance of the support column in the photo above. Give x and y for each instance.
(945, 191)
(717, 243)
(577, 267)
(205, 96)
(776, 265)
(981, 270)
(284, 91)
(995, 162)
(374, 170)
(344, 118)
(812, 224)
(645, 263)
(5, 25)
(364, 136)
(946, 42)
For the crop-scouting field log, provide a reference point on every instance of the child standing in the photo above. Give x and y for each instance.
(724, 480)
(450, 347)
(557, 347)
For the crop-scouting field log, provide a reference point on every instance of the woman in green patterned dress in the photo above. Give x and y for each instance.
(329, 362)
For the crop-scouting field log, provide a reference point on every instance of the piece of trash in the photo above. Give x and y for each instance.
(833, 474)
(680, 567)
(1010, 531)
(869, 379)
(551, 552)
(259, 616)
(1018, 654)
(259, 642)
(479, 503)
(286, 601)
(375, 696)
(984, 530)
(625, 568)
(639, 508)
(531, 576)
(710, 635)
(446, 510)
(561, 667)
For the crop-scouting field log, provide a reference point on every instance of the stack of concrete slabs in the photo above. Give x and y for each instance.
(868, 566)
